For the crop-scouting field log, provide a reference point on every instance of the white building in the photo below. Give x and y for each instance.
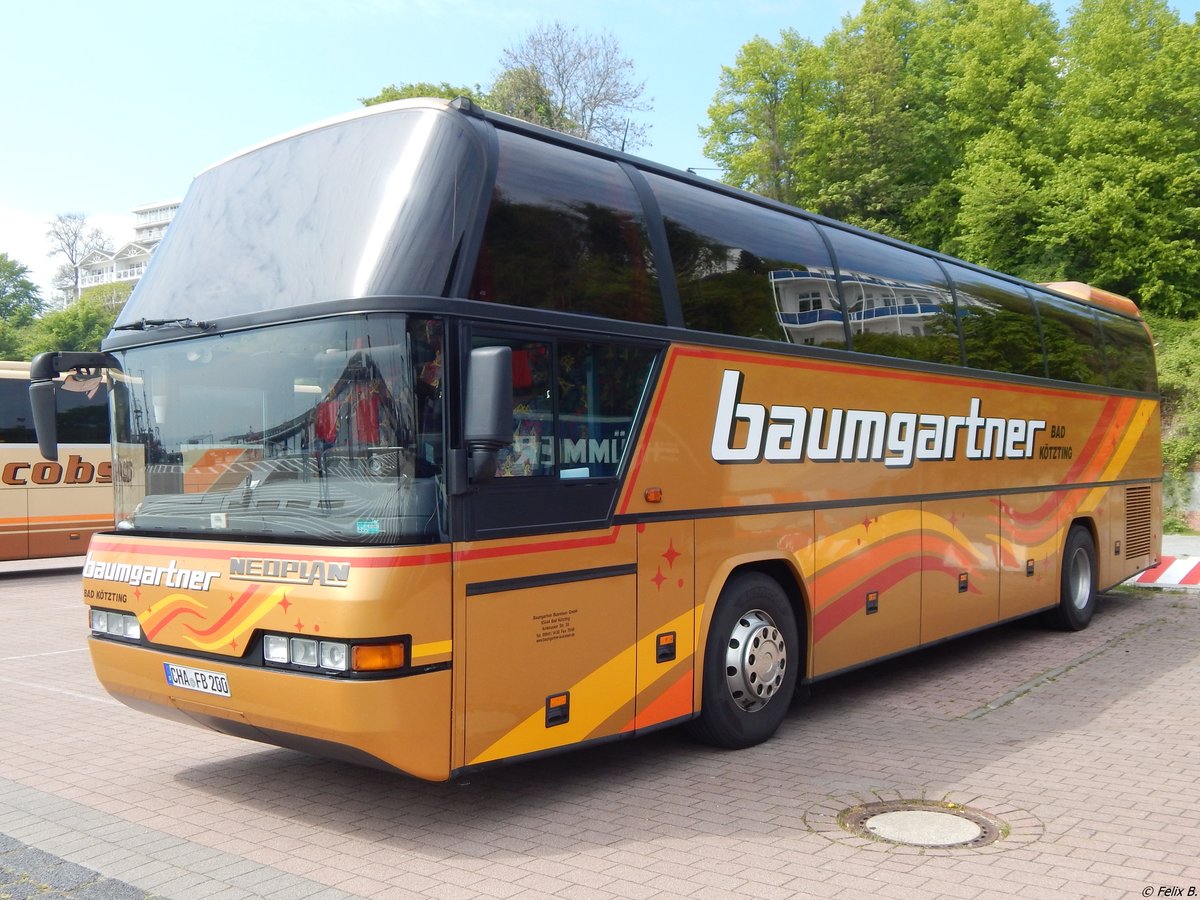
(127, 262)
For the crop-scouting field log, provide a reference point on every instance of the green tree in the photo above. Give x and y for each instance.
(409, 91)
(112, 295)
(1178, 356)
(20, 299)
(20, 302)
(883, 146)
(1001, 88)
(768, 114)
(521, 93)
(1121, 210)
(81, 326)
(71, 238)
(589, 83)
(575, 82)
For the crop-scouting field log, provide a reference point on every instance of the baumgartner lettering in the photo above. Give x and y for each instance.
(170, 575)
(819, 434)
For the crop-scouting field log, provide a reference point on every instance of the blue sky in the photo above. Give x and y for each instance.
(112, 105)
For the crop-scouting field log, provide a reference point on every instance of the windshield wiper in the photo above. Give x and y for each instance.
(143, 324)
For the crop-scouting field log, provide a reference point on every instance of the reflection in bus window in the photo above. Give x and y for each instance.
(808, 306)
(743, 269)
(898, 303)
(330, 428)
(999, 326)
(532, 448)
(1074, 346)
(1129, 353)
(573, 406)
(566, 232)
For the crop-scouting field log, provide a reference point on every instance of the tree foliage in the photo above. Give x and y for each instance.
(558, 77)
(421, 89)
(80, 326)
(588, 83)
(20, 302)
(71, 238)
(20, 299)
(980, 128)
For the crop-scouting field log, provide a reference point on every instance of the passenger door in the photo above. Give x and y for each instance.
(545, 587)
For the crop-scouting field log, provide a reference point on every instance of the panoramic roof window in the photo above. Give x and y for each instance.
(566, 232)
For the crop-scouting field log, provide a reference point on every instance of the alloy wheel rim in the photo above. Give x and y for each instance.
(755, 660)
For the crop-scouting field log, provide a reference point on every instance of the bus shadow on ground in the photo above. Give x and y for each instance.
(905, 723)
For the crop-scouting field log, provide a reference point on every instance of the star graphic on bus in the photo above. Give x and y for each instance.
(671, 554)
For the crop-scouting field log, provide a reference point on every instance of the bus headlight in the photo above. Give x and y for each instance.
(304, 652)
(332, 657)
(335, 656)
(275, 648)
(115, 624)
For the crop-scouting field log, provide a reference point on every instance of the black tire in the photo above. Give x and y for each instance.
(751, 664)
(1077, 583)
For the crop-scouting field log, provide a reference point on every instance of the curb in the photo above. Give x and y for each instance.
(1172, 571)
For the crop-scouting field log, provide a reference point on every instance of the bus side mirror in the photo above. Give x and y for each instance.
(41, 398)
(488, 423)
(45, 409)
(42, 372)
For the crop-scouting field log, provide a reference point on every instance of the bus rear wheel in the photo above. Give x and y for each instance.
(1077, 587)
(750, 664)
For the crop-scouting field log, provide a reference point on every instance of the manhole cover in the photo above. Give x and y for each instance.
(920, 823)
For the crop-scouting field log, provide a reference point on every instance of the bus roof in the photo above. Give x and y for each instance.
(1096, 297)
(1078, 291)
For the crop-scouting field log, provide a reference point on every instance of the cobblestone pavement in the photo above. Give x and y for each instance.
(1085, 747)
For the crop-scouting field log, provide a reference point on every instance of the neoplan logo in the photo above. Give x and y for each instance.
(749, 432)
(290, 571)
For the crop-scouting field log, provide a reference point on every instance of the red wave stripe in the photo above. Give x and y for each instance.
(845, 606)
(1087, 459)
(235, 609)
(674, 703)
(167, 615)
(841, 609)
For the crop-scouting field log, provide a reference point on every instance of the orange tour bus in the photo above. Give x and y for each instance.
(50, 509)
(442, 440)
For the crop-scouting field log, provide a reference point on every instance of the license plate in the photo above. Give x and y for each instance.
(197, 679)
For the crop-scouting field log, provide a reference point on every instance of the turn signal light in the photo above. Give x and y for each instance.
(377, 657)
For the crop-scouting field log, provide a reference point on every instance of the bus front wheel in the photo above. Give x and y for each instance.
(750, 664)
(1077, 590)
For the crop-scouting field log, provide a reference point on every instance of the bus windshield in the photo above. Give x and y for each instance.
(329, 430)
(376, 206)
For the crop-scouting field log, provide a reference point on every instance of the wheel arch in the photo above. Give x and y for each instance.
(1085, 522)
(784, 572)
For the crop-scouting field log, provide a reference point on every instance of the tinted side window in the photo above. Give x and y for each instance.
(82, 411)
(573, 405)
(746, 270)
(999, 325)
(1074, 346)
(16, 418)
(1129, 352)
(565, 231)
(898, 302)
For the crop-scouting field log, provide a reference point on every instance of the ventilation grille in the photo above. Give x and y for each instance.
(1137, 521)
